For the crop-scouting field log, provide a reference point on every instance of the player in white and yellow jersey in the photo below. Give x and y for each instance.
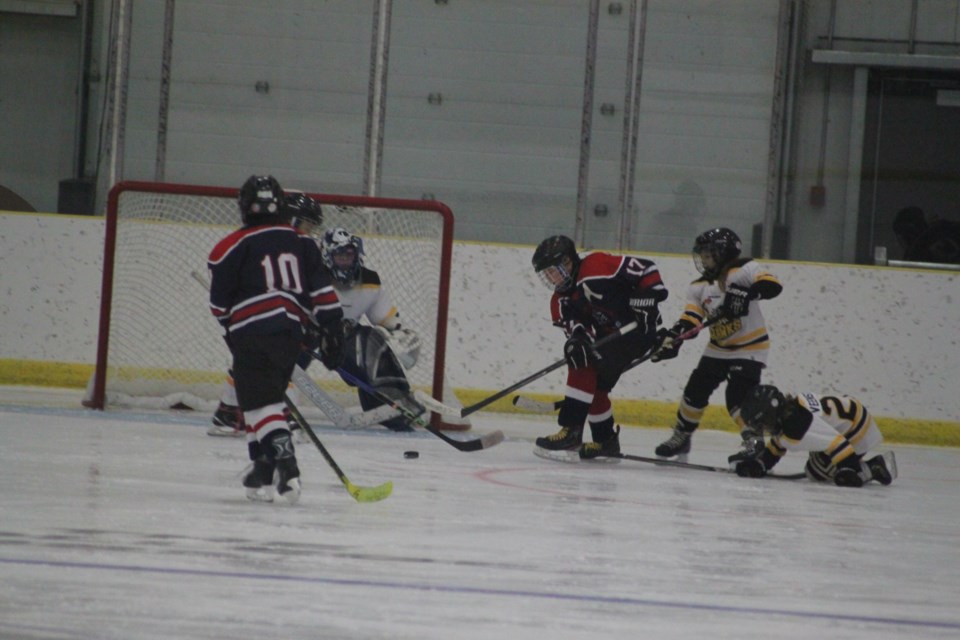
(836, 430)
(729, 289)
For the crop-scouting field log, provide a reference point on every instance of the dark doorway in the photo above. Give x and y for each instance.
(911, 154)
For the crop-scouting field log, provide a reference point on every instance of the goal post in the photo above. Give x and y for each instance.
(158, 344)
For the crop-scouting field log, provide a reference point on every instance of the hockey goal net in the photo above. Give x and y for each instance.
(160, 347)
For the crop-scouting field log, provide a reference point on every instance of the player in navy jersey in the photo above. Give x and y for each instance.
(730, 288)
(270, 292)
(304, 214)
(592, 297)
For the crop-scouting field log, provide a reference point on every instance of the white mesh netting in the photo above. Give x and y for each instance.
(165, 348)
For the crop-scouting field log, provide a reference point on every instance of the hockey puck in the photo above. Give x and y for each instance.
(410, 455)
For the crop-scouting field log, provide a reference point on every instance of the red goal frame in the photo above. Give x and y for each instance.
(97, 396)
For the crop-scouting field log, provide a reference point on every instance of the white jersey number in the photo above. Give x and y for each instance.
(289, 269)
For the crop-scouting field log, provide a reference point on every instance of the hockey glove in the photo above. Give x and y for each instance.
(330, 344)
(643, 302)
(578, 350)
(405, 344)
(668, 345)
(751, 468)
(644, 306)
(736, 303)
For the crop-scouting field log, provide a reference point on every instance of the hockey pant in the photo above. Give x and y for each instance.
(369, 358)
(740, 375)
(822, 465)
(262, 366)
(587, 396)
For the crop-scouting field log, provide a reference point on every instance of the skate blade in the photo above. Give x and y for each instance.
(571, 456)
(261, 494)
(225, 432)
(682, 457)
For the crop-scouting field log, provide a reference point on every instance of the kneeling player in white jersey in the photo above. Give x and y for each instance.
(836, 430)
(373, 353)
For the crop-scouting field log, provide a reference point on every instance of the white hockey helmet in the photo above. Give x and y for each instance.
(343, 255)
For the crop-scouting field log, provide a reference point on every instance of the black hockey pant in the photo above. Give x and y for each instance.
(739, 374)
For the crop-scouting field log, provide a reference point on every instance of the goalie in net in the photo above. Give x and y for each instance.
(375, 342)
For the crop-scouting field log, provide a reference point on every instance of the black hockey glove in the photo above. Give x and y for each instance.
(578, 351)
(643, 302)
(668, 344)
(751, 468)
(330, 338)
(736, 303)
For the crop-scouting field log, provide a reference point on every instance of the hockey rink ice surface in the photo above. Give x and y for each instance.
(130, 525)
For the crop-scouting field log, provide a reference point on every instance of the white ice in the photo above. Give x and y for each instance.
(133, 525)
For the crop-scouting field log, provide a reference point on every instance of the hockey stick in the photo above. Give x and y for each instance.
(536, 406)
(438, 407)
(539, 406)
(701, 467)
(340, 417)
(483, 442)
(360, 494)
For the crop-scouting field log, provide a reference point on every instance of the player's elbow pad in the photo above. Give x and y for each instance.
(765, 290)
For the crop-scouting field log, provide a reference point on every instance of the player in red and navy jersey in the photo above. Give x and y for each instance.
(304, 214)
(269, 290)
(595, 296)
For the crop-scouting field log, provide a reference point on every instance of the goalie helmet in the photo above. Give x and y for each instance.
(343, 255)
(715, 249)
(304, 212)
(556, 262)
(260, 200)
(763, 408)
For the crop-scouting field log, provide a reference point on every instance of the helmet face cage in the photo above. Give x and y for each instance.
(261, 197)
(556, 261)
(762, 407)
(304, 212)
(717, 246)
(342, 255)
(556, 278)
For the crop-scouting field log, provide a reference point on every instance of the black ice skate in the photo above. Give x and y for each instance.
(608, 448)
(288, 473)
(259, 480)
(676, 445)
(883, 468)
(227, 421)
(847, 477)
(565, 439)
(288, 483)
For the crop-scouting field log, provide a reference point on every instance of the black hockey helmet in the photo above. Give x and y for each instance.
(304, 212)
(549, 261)
(260, 200)
(763, 408)
(721, 245)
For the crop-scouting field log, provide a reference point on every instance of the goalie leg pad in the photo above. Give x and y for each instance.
(370, 359)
